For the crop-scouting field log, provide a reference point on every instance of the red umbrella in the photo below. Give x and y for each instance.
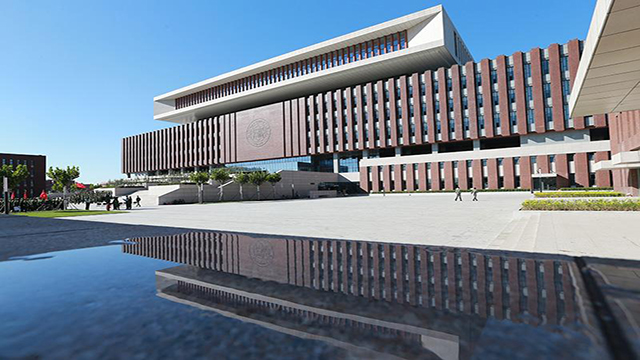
(43, 195)
(25, 195)
(80, 186)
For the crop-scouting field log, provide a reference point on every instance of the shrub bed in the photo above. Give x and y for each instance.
(583, 205)
(34, 204)
(585, 188)
(569, 194)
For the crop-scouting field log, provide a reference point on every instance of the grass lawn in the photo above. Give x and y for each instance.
(65, 213)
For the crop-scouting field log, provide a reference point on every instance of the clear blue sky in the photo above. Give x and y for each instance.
(77, 76)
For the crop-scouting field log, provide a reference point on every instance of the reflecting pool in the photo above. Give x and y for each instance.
(233, 295)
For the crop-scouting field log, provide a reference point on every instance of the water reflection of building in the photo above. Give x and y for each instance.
(361, 327)
(522, 288)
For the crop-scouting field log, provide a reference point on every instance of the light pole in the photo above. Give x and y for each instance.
(5, 194)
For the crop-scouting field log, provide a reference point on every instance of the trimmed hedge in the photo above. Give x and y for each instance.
(450, 191)
(569, 194)
(34, 204)
(583, 205)
(585, 188)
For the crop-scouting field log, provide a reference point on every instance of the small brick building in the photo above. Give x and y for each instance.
(37, 165)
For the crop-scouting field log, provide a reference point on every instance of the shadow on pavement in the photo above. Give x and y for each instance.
(23, 235)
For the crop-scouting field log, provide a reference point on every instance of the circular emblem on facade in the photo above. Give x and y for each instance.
(261, 253)
(258, 133)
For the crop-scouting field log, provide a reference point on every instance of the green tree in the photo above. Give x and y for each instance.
(200, 178)
(274, 178)
(15, 175)
(221, 176)
(258, 178)
(63, 179)
(241, 179)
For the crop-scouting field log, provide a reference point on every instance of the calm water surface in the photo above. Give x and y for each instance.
(226, 295)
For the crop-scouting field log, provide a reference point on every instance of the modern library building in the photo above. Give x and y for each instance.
(399, 106)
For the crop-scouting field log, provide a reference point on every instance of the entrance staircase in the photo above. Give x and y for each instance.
(520, 234)
(151, 196)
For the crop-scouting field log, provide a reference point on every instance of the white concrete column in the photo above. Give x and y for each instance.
(336, 163)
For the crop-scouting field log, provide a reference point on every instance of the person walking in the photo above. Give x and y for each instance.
(128, 202)
(458, 194)
(474, 192)
(116, 204)
(108, 202)
(138, 201)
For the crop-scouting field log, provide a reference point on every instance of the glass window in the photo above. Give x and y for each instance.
(527, 70)
(530, 117)
(547, 90)
(495, 98)
(348, 164)
(545, 67)
(548, 114)
(566, 88)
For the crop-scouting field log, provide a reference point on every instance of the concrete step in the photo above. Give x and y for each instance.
(520, 234)
(150, 196)
(512, 231)
(527, 241)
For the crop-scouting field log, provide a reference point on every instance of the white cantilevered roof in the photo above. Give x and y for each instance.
(608, 78)
(430, 39)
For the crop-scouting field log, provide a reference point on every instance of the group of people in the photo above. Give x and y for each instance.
(474, 193)
(128, 203)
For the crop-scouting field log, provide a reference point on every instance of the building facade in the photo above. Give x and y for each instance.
(400, 106)
(36, 164)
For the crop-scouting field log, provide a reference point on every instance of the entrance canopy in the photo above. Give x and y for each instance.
(608, 78)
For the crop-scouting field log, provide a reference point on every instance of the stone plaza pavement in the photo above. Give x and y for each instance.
(494, 222)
